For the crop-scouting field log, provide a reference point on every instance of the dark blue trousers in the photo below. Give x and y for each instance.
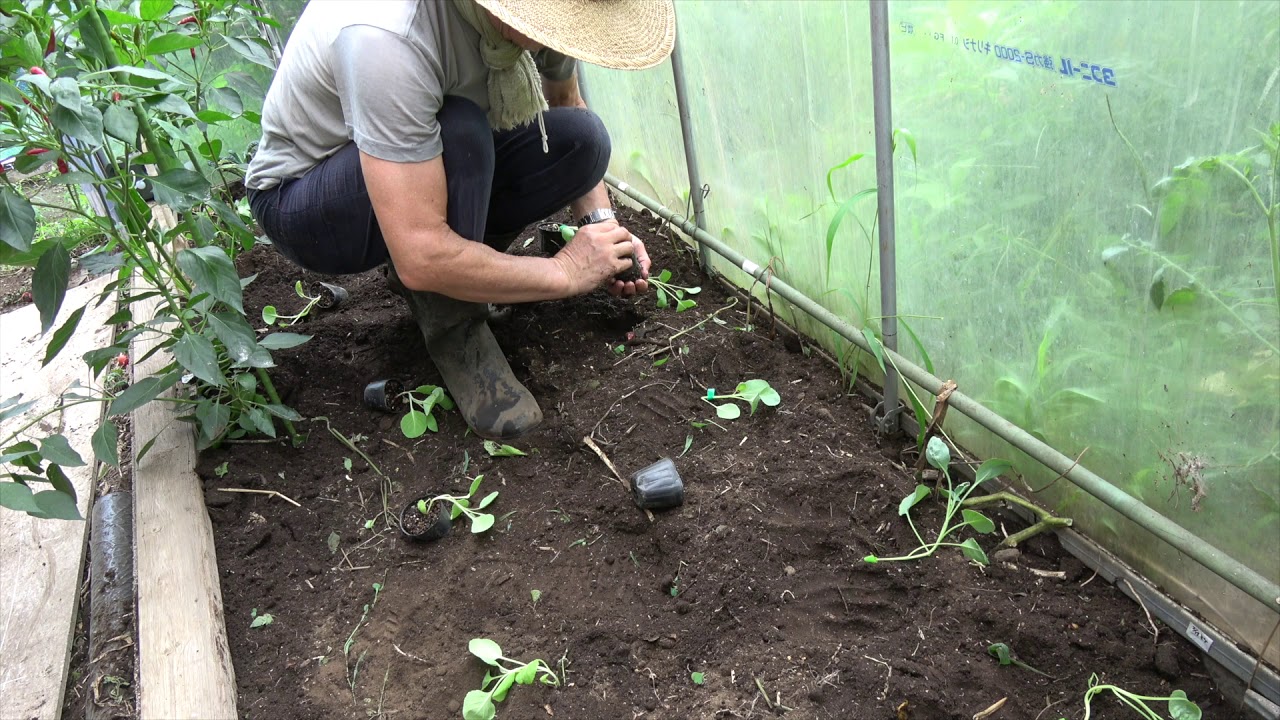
(498, 183)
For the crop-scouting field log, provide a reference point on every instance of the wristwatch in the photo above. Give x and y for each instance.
(595, 216)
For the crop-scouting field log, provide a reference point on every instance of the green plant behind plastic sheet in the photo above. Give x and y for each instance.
(1100, 248)
(1104, 275)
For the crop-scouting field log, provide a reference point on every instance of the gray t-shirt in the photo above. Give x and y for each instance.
(374, 72)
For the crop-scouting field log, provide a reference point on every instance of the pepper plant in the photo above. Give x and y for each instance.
(103, 89)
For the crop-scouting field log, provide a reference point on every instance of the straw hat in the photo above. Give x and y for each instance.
(619, 34)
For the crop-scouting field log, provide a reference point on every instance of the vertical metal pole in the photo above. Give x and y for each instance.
(883, 112)
(690, 151)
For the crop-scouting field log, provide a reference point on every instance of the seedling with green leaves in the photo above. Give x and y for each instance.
(666, 290)
(1004, 654)
(422, 401)
(499, 450)
(260, 620)
(271, 316)
(462, 506)
(752, 392)
(502, 674)
(939, 456)
(1180, 707)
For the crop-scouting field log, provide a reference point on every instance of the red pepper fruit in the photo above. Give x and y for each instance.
(36, 151)
(62, 167)
(193, 53)
(188, 20)
(36, 71)
(26, 296)
(52, 46)
(122, 359)
(115, 97)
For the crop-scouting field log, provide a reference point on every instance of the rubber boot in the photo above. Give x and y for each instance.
(479, 379)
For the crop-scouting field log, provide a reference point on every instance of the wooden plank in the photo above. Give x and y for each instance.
(184, 663)
(42, 561)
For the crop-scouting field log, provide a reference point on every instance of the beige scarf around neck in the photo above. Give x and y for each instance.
(515, 88)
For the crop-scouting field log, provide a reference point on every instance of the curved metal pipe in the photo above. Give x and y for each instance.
(1217, 561)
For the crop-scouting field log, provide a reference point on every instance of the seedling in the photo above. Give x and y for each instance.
(1180, 707)
(221, 470)
(422, 401)
(462, 506)
(752, 392)
(939, 456)
(1004, 654)
(271, 316)
(498, 450)
(536, 595)
(480, 704)
(675, 582)
(666, 290)
(697, 678)
(688, 443)
(260, 620)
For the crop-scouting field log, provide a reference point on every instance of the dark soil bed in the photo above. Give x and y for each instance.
(757, 581)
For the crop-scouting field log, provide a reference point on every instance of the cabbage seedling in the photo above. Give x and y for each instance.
(422, 401)
(939, 456)
(271, 316)
(1180, 707)
(666, 290)
(462, 506)
(499, 677)
(752, 392)
(1004, 654)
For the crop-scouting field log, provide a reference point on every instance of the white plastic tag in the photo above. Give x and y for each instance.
(1197, 636)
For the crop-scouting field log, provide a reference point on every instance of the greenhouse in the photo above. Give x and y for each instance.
(913, 359)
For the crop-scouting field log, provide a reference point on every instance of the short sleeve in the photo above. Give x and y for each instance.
(390, 92)
(553, 65)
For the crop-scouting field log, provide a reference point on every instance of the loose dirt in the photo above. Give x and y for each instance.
(757, 581)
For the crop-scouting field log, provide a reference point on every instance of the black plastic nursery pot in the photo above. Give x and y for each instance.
(383, 395)
(331, 296)
(658, 486)
(549, 235)
(416, 527)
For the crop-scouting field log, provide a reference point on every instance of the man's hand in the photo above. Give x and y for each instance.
(597, 253)
(618, 288)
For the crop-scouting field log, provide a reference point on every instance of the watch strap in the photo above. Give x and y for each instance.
(597, 215)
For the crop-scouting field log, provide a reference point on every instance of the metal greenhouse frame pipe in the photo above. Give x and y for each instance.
(690, 150)
(1218, 562)
(883, 111)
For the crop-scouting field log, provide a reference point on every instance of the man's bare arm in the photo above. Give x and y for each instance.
(410, 202)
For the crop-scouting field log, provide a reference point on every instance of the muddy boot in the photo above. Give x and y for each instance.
(494, 404)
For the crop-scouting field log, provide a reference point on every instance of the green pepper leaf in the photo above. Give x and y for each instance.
(56, 449)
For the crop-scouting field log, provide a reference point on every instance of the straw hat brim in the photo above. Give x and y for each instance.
(619, 34)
